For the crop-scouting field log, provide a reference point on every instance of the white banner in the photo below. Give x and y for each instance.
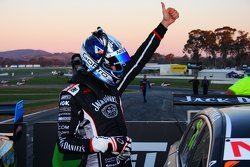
(237, 149)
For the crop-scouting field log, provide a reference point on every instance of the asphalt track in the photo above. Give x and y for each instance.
(158, 108)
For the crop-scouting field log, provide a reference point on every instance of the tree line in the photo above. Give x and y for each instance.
(223, 47)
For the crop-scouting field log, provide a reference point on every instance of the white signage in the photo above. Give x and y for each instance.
(151, 149)
(237, 149)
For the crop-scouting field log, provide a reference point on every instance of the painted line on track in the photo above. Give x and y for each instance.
(31, 114)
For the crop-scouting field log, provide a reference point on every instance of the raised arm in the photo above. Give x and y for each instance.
(148, 47)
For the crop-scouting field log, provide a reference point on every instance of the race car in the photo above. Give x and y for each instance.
(214, 138)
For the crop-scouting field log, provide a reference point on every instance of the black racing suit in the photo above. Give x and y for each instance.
(87, 108)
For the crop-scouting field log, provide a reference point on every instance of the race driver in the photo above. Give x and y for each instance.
(91, 120)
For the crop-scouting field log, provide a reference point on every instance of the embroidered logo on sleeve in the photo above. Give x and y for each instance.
(73, 89)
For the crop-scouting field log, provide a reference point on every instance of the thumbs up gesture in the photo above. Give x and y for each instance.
(169, 15)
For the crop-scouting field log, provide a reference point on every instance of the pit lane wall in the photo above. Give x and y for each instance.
(151, 142)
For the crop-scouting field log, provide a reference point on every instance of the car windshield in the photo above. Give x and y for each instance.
(191, 139)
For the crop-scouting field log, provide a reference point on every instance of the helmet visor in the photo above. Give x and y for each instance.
(120, 56)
